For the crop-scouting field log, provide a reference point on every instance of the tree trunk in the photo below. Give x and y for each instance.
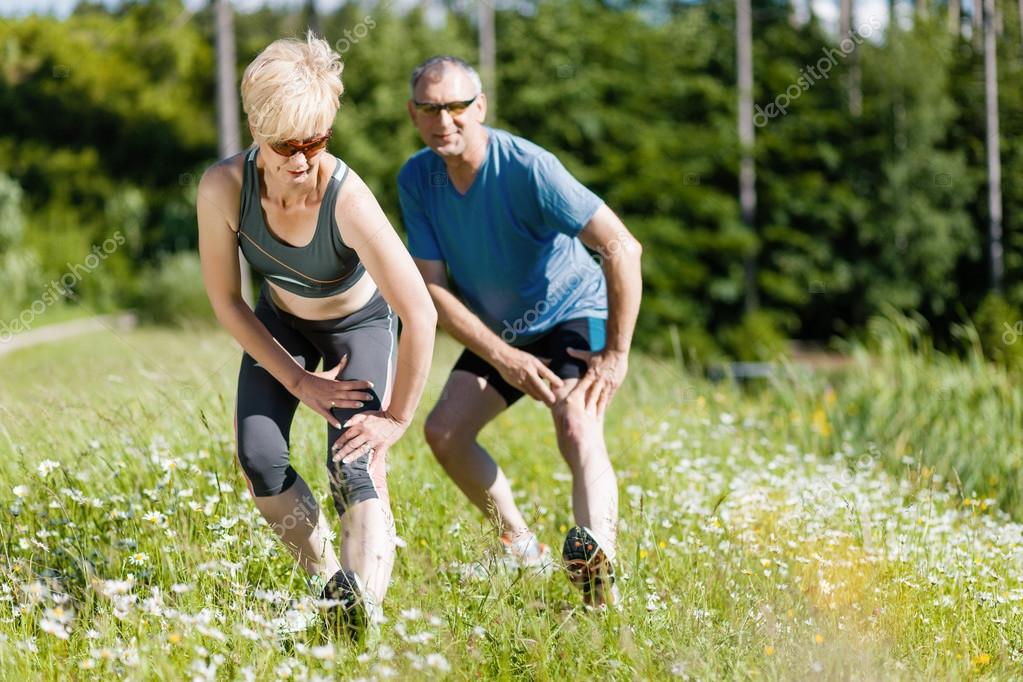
(994, 166)
(976, 24)
(954, 17)
(488, 57)
(854, 93)
(228, 132)
(794, 18)
(921, 9)
(747, 169)
(312, 17)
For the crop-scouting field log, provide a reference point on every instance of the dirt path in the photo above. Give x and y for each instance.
(64, 330)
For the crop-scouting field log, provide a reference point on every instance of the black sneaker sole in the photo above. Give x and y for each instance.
(587, 564)
(348, 618)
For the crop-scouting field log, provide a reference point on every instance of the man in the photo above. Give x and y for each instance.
(535, 312)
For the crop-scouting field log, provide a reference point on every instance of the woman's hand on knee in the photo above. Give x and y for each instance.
(323, 391)
(377, 430)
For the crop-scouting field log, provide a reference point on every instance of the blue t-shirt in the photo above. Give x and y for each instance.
(510, 242)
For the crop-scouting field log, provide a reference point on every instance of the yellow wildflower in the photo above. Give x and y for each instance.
(820, 422)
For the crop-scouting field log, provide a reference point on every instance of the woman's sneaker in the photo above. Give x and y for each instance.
(349, 614)
(589, 568)
(524, 551)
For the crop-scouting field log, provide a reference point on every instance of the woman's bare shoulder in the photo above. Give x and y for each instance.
(221, 185)
(354, 194)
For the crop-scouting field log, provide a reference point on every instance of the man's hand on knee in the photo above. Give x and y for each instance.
(529, 374)
(605, 373)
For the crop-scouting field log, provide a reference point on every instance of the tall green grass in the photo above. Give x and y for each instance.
(129, 547)
(955, 418)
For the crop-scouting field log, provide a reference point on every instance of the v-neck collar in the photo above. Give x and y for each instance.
(479, 171)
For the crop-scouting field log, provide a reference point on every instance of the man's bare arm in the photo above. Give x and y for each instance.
(522, 370)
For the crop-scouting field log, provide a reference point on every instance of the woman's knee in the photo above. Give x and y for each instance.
(266, 463)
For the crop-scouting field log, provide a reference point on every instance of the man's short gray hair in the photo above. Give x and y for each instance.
(443, 61)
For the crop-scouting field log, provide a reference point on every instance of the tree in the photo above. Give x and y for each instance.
(747, 169)
(994, 166)
(488, 51)
(854, 94)
(312, 17)
(229, 135)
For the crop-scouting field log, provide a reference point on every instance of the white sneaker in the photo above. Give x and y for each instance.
(527, 553)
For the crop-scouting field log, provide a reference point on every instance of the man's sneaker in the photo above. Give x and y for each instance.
(350, 615)
(526, 552)
(589, 568)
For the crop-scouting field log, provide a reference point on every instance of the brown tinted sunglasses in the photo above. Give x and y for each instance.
(310, 147)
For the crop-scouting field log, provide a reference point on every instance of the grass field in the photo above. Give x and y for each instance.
(850, 527)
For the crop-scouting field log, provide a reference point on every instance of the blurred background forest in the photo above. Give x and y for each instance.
(871, 189)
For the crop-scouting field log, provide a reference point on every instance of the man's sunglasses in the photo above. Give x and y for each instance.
(455, 108)
(310, 147)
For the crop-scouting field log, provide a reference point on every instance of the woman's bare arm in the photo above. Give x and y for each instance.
(366, 229)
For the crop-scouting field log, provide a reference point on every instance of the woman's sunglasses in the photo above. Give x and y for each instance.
(455, 108)
(310, 147)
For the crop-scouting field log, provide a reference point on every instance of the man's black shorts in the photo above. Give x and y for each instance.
(584, 333)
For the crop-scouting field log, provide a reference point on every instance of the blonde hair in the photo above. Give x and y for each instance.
(292, 89)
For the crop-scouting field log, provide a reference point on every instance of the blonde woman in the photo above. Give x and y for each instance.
(336, 279)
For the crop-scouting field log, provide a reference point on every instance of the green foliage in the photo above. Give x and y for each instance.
(999, 327)
(855, 212)
(917, 230)
(19, 267)
(22, 277)
(11, 219)
(126, 210)
(171, 291)
(760, 335)
(916, 406)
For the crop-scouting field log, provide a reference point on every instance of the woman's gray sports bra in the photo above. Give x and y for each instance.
(323, 267)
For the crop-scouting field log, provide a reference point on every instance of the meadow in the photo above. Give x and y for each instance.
(863, 524)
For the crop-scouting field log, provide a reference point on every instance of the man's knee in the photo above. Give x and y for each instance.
(572, 420)
(441, 435)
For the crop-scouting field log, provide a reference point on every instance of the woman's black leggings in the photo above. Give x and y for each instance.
(266, 409)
